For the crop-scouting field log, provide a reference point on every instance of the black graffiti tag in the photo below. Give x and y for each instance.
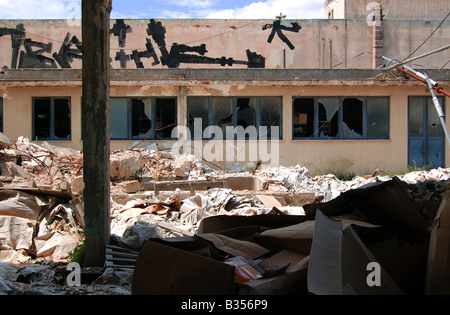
(67, 52)
(120, 29)
(277, 28)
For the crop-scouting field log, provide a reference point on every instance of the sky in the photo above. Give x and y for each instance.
(167, 9)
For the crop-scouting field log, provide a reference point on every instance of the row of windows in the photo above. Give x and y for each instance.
(341, 118)
(234, 117)
(226, 118)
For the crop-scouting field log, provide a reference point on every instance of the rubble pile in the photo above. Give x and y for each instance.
(154, 194)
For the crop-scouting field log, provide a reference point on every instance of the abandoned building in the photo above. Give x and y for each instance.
(317, 93)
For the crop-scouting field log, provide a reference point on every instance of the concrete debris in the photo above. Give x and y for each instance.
(154, 195)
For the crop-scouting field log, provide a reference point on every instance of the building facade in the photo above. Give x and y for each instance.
(316, 93)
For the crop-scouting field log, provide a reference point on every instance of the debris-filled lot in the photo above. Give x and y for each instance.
(276, 230)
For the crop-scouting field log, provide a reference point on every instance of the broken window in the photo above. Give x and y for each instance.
(377, 118)
(328, 117)
(304, 118)
(141, 112)
(51, 119)
(352, 127)
(198, 116)
(166, 117)
(341, 118)
(271, 110)
(246, 111)
(222, 111)
(245, 117)
(142, 118)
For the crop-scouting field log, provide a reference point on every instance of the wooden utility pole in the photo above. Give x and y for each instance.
(96, 133)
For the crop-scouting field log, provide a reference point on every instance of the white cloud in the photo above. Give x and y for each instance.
(262, 9)
(42, 9)
(191, 3)
(299, 9)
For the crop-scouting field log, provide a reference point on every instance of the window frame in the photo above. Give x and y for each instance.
(234, 121)
(52, 100)
(340, 123)
(152, 134)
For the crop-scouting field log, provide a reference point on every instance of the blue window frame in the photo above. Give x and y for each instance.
(142, 118)
(341, 118)
(235, 118)
(51, 119)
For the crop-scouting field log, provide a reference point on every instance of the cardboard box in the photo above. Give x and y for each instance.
(339, 263)
(177, 266)
(399, 245)
(302, 118)
(174, 268)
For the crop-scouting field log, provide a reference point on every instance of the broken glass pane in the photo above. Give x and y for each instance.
(434, 122)
(303, 118)
(166, 117)
(198, 107)
(141, 113)
(378, 118)
(328, 117)
(352, 127)
(271, 111)
(246, 109)
(42, 116)
(222, 114)
(62, 118)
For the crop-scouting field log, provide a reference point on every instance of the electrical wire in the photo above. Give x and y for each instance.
(423, 43)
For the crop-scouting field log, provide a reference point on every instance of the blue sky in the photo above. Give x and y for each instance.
(167, 9)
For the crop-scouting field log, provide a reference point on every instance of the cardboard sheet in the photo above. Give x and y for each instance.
(385, 203)
(21, 204)
(324, 272)
(247, 250)
(55, 244)
(165, 270)
(438, 270)
(292, 281)
(339, 263)
(15, 233)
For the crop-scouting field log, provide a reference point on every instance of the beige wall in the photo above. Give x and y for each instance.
(319, 44)
(360, 156)
(392, 9)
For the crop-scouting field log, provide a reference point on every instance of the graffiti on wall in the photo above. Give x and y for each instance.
(277, 28)
(178, 53)
(28, 53)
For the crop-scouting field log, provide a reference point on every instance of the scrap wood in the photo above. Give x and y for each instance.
(120, 257)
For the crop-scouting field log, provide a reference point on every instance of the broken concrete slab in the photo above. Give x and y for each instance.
(4, 141)
(11, 169)
(124, 164)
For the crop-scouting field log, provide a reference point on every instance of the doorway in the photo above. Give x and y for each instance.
(426, 139)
